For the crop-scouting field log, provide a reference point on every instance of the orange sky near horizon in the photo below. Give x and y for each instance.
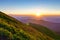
(35, 12)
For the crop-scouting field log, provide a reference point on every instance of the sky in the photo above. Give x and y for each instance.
(30, 7)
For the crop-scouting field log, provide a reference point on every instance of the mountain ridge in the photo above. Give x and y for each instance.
(52, 26)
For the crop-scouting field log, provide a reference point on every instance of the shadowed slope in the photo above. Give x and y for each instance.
(45, 30)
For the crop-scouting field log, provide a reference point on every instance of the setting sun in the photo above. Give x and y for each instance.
(38, 13)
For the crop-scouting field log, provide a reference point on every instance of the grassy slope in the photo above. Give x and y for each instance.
(45, 30)
(12, 29)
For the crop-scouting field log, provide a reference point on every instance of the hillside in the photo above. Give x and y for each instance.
(52, 26)
(45, 30)
(12, 29)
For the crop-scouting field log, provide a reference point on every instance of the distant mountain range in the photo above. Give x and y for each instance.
(54, 19)
(51, 22)
(12, 29)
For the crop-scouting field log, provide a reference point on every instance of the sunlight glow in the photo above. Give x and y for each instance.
(38, 13)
